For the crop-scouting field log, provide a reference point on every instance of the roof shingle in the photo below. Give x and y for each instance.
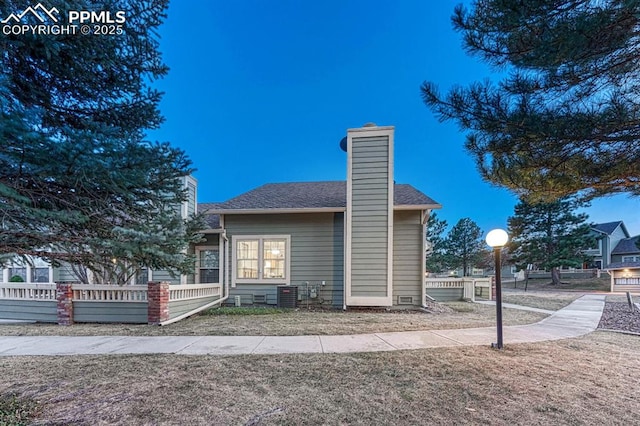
(608, 227)
(309, 195)
(627, 245)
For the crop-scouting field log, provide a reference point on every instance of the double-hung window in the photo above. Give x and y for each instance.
(208, 265)
(261, 259)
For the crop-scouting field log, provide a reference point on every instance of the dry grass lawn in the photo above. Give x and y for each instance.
(589, 380)
(551, 301)
(292, 323)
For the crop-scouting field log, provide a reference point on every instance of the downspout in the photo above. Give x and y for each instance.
(226, 261)
(425, 218)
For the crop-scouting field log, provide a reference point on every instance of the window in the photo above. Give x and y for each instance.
(142, 277)
(31, 270)
(40, 275)
(208, 265)
(261, 259)
(18, 272)
(631, 258)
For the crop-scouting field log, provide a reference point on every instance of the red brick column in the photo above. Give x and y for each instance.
(158, 300)
(64, 296)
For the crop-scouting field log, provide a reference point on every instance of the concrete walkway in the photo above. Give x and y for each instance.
(579, 318)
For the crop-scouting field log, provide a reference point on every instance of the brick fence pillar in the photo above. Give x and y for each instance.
(158, 300)
(64, 297)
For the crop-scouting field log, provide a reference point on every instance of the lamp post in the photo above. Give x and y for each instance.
(497, 239)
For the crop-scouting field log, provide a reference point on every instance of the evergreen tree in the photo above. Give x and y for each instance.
(566, 116)
(549, 235)
(79, 181)
(464, 246)
(435, 243)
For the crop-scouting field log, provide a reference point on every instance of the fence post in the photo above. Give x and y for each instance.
(64, 297)
(492, 288)
(158, 302)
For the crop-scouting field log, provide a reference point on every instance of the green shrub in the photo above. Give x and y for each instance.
(16, 279)
(16, 411)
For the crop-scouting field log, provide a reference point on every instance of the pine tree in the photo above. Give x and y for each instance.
(565, 118)
(464, 246)
(79, 181)
(435, 243)
(549, 235)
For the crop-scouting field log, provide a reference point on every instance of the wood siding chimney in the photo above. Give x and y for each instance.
(369, 216)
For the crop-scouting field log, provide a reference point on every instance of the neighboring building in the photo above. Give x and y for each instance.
(626, 250)
(608, 235)
(39, 271)
(354, 243)
(625, 265)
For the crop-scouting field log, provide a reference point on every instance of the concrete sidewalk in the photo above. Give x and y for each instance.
(579, 318)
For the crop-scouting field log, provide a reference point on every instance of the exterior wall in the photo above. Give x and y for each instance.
(408, 268)
(165, 276)
(179, 307)
(29, 310)
(64, 273)
(369, 217)
(446, 294)
(102, 312)
(316, 253)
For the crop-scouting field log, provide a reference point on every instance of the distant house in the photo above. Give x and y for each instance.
(358, 242)
(608, 235)
(625, 265)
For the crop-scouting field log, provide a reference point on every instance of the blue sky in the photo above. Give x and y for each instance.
(263, 91)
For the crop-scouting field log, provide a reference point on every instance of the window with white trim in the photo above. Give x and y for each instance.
(208, 265)
(631, 258)
(32, 270)
(261, 259)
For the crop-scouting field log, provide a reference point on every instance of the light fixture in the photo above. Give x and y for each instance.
(497, 239)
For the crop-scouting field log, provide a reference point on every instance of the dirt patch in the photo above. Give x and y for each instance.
(571, 381)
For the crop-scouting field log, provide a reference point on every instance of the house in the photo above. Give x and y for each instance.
(608, 235)
(624, 268)
(358, 242)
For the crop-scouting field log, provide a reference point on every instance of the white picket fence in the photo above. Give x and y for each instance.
(22, 291)
(467, 284)
(105, 293)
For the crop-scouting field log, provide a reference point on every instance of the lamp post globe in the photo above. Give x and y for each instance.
(497, 238)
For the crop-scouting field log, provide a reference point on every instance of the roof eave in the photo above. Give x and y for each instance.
(316, 209)
(417, 206)
(279, 211)
(211, 231)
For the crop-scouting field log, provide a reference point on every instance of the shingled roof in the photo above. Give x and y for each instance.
(212, 220)
(608, 227)
(627, 246)
(313, 195)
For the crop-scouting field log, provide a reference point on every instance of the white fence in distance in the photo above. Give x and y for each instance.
(468, 285)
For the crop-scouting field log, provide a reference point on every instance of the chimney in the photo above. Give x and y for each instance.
(369, 216)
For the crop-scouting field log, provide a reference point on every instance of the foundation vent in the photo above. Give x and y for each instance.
(405, 300)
